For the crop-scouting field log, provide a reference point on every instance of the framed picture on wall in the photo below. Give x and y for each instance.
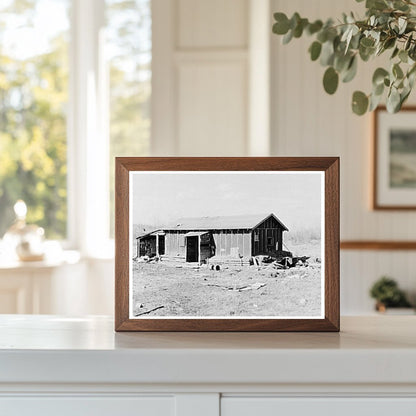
(394, 182)
(227, 244)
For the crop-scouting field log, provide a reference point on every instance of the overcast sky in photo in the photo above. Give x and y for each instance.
(162, 198)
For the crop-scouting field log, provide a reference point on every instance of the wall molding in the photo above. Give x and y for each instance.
(378, 245)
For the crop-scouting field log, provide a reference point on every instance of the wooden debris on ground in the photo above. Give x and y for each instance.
(149, 311)
(254, 286)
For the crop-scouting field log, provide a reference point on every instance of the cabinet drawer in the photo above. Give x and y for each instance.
(87, 406)
(273, 406)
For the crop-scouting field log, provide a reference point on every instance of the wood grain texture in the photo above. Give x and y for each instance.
(376, 204)
(121, 244)
(378, 245)
(329, 165)
(332, 226)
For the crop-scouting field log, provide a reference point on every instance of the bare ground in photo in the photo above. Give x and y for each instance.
(233, 291)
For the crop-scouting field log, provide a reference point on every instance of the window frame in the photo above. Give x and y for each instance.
(87, 128)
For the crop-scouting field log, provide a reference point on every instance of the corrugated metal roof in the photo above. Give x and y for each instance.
(221, 223)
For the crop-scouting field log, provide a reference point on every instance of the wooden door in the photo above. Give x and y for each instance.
(161, 245)
(192, 249)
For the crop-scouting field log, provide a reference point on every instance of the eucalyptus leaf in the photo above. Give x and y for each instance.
(294, 20)
(376, 4)
(367, 42)
(397, 71)
(366, 53)
(288, 37)
(412, 70)
(403, 56)
(395, 52)
(351, 71)
(378, 89)
(374, 101)
(327, 54)
(379, 75)
(315, 50)
(411, 78)
(393, 101)
(400, 5)
(281, 27)
(314, 27)
(330, 80)
(298, 30)
(341, 62)
(389, 43)
(402, 22)
(404, 96)
(359, 103)
(322, 36)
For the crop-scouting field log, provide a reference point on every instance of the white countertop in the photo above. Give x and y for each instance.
(52, 349)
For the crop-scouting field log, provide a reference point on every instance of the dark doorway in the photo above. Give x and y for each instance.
(161, 245)
(192, 249)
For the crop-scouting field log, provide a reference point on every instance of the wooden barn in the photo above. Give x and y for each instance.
(198, 239)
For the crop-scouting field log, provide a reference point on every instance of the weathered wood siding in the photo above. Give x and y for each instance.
(175, 243)
(226, 240)
(267, 237)
(223, 240)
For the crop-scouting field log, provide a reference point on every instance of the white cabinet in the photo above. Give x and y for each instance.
(51, 365)
(88, 406)
(270, 406)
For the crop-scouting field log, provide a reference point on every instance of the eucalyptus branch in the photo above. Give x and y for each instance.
(389, 25)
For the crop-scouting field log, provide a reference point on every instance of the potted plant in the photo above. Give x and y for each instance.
(387, 294)
(389, 27)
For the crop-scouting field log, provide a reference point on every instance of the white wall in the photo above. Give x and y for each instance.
(308, 122)
(200, 77)
(211, 93)
(220, 72)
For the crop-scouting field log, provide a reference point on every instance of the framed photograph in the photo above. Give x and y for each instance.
(227, 244)
(395, 159)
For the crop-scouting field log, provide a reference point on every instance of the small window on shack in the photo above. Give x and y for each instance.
(182, 241)
(269, 241)
(256, 236)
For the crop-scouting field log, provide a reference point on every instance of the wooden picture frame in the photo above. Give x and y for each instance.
(129, 168)
(390, 191)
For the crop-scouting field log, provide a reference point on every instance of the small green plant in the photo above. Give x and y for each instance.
(388, 294)
(389, 26)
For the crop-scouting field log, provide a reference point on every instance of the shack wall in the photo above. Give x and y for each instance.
(175, 243)
(226, 240)
(223, 240)
(267, 237)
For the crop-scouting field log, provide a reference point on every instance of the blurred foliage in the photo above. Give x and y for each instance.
(129, 37)
(33, 105)
(387, 292)
(389, 27)
(33, 97)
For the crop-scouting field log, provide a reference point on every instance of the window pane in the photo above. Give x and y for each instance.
(33, 100)
(129, 46)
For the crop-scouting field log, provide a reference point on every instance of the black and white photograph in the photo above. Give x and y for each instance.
(403, 158)
(226, 244)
